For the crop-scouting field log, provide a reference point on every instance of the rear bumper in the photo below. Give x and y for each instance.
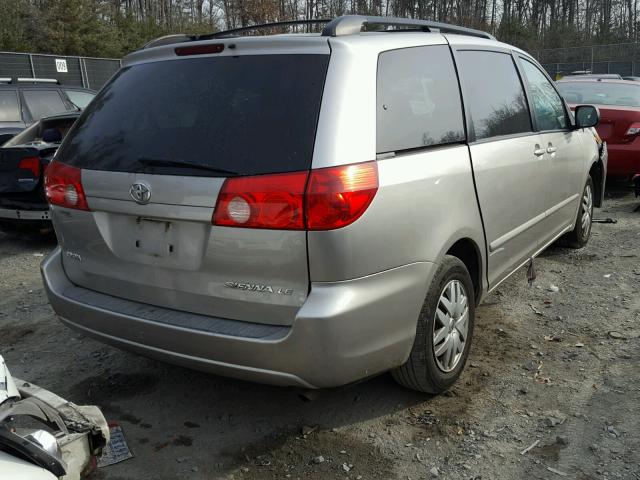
(17, 214)
(624, 159)
(344, 332)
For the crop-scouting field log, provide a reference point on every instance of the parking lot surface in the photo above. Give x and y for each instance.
(551, 390)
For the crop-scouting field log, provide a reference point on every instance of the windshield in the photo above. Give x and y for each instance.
(601, 93)
(246, 114)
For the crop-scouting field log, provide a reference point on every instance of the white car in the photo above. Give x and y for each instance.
(73, 436)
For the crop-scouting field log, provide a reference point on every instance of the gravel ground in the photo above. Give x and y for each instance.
(558, 369)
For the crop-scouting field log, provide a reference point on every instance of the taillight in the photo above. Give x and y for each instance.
(330, 198)
(63, 186)
(32, 164)
(265, 201)
(633, 130)
(338, 196)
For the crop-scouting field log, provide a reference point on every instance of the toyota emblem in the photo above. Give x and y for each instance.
(140, 192)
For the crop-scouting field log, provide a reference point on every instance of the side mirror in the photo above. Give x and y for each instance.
(586, 116)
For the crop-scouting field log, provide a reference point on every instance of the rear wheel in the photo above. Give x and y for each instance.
(444, 331)
(580, 235)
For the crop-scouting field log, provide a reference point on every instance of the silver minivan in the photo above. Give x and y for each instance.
(315, 209)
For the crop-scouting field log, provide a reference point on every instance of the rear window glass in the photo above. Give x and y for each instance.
(249, 114)
(9, 109)
(601, 93)
(494, 93)
(42, 103)
(418, 99)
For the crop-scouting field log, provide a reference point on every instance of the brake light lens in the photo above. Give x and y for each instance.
(32, 164)
(323, 199)
(265, 201)
(63, 186)
(338, 196)
(199, 49)
(633, 130)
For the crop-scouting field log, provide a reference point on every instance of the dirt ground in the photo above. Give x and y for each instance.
(560, 368)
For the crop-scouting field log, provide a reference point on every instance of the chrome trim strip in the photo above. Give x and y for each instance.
(497, 243)
(536, 253)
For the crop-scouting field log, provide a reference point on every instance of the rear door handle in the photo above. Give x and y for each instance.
(551, 149)
(538, 152)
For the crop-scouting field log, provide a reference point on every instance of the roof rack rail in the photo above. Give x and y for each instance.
(352, 24)
(35, 80)
(183, 37)
(344, 25)
(5, 79)
(267, 25)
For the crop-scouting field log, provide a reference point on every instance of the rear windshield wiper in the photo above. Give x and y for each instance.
(165, 162)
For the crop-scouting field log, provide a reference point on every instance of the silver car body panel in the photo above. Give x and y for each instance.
(345, 331)
(566, 178)
(100, 254)
(513, 227)
(272, 45)
(416, 206)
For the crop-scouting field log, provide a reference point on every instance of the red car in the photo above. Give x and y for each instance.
(619, 105)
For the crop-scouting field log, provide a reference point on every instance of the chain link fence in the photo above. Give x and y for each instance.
(620, 58)
(93, 73)
(84, 72)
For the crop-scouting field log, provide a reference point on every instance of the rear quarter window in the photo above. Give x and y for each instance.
(9, 107)
(494, 94)
(42, 103)
(418, 99)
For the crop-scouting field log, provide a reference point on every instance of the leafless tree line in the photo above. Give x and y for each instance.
(113, 27)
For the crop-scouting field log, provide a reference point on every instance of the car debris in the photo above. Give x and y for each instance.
(557, 472)
(533, 445)
(67, 442)
(554, 418)
(116, 450)
(617, 335)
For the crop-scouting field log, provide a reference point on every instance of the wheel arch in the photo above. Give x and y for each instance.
(468, 251)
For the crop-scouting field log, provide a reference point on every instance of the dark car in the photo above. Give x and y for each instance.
(619, 105)
(24, 101)
(23, 160)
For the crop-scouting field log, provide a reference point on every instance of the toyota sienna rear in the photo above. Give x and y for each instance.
(302, 209)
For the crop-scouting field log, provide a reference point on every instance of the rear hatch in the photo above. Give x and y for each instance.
(148, 236)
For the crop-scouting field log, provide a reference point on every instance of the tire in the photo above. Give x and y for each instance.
(423, 371)
(579, 236)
